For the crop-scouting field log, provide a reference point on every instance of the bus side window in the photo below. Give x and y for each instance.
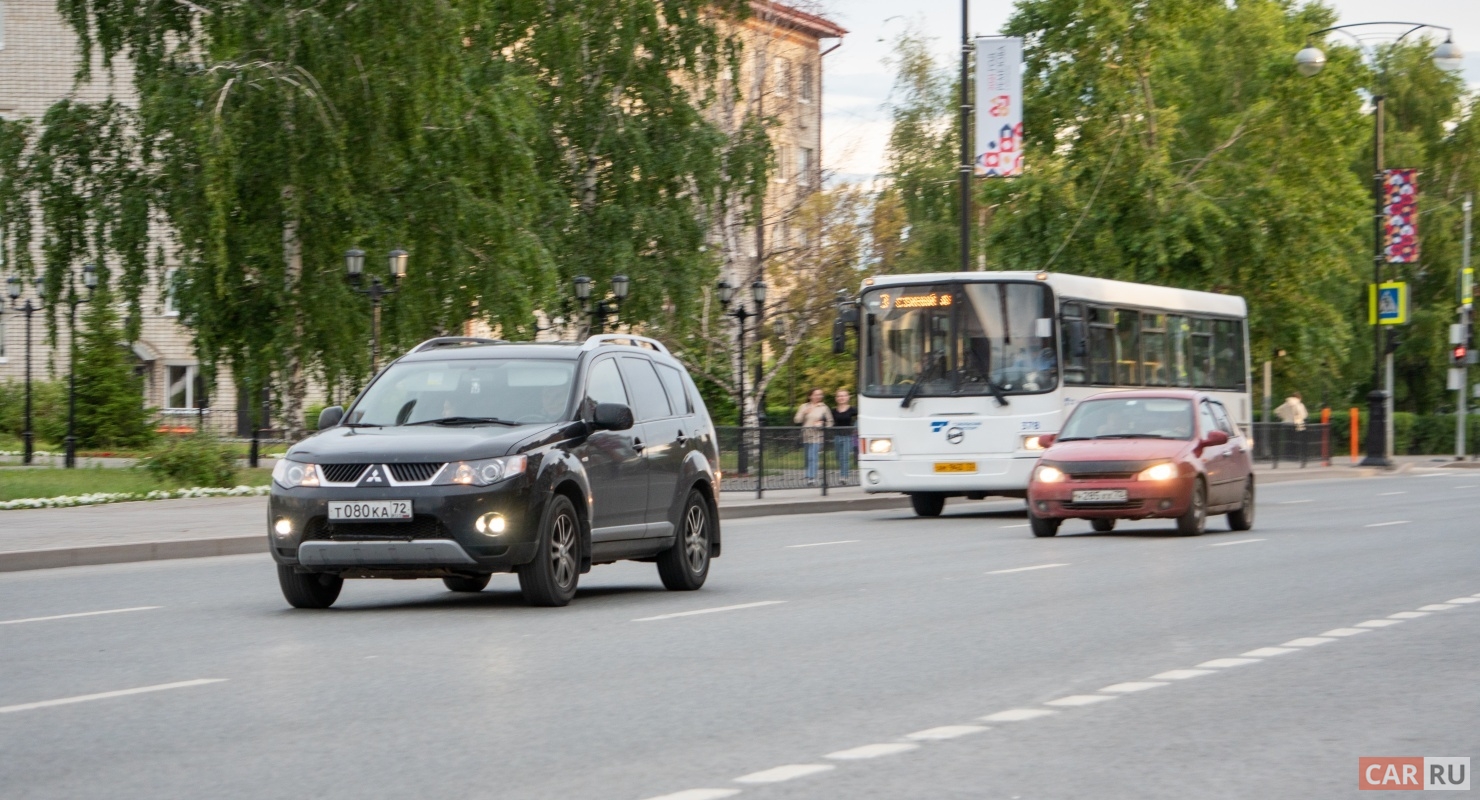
(1202, 353)
(1102, 346)
(1179, 334)
(1154, 349)
(1228, 345)
(1128, 349)
(1075, 346)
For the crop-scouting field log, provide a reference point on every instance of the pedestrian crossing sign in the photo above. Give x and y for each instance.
(1387, 303)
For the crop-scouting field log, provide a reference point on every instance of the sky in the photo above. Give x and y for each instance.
(857, 76)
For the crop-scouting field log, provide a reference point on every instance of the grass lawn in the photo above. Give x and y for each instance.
(17, 483)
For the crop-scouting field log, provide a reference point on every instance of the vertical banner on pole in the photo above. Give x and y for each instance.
(1400, 213)
(999, 107)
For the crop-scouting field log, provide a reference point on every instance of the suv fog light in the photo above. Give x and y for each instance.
(491, 524)
(283, 526)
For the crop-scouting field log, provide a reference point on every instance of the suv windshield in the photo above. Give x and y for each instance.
(959, 339)
(517, 391)
(1130, 418)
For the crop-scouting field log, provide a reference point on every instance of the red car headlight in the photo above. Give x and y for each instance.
(1158, 472)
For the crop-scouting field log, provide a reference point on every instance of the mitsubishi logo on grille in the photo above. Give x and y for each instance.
(373, 476)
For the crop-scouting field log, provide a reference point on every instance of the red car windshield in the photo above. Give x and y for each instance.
(1130, 418)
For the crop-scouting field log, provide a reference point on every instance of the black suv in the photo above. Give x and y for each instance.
(468, 457)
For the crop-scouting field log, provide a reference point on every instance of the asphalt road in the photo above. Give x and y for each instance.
(869, 655)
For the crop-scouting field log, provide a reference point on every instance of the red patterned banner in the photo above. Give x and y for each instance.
(1400, 212)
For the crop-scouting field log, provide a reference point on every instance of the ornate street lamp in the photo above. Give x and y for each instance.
(726, 293)
(354, 269)
(1308, 62)
(604, 308)
(14, 286)
(73, 299)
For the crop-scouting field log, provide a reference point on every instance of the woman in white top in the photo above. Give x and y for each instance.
(813, 416)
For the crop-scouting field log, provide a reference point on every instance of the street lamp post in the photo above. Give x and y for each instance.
(1308, 62)
(596, 317)
(89, 280)
(726, 296)
(354, 268)
(14, 285)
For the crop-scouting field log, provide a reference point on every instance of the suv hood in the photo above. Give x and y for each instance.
(1117, 450)
(417, 443)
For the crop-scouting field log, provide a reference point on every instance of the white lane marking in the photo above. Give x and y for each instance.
(1466, 486)
(1464, 600)
(1295, 502)
(945, 732)
(1007, 527)
(1308, 641)
(1346, 631)
(1024, 569)
(1223, 663)
(1180, 674)
(710, 610)
(1133, 686)
(1408, 615)
(820, 544)
(1241, 541)
(106, 695)
(1080, 700)
(1385, 524)
(1017, 715)
(1436, 607)
(873, 751)
(698, 794)
(784, 773)
(82, 614)
(1378, 623)
(1389, 494)
(1266, 652)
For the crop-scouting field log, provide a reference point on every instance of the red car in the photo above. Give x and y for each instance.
(1171, 454)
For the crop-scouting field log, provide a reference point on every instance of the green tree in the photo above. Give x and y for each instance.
(110, 408)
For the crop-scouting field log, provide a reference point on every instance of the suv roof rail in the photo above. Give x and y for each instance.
(453, 341)
(627, 339)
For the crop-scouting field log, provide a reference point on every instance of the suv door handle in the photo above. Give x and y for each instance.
(637, 445)
(682, 439)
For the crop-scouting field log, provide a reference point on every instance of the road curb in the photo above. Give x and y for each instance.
(127, 553)
(818, 506)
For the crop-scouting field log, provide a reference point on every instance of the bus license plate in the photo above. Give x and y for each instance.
(371, 511)
(955, 466)
(1100, 496)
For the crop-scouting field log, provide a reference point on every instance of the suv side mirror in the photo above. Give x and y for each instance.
(612, 417)
(839, 336)
(330, 417)
(1214, 438)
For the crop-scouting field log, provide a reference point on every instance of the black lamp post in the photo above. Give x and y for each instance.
(604, 308)
(354, 268)
(1308, 62)
(726, 296)
(73, 299)
(14, 285)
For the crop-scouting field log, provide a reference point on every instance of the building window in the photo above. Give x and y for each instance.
(783, 155)
(167, 291)
(186, 388)
(805, 166)
(783, 77)
(807, 89)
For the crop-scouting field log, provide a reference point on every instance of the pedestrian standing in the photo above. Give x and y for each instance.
(813, 416)
(845, 441)
(1292, 411)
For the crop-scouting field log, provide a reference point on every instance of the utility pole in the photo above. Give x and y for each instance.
(1466, 321)
(966, 159)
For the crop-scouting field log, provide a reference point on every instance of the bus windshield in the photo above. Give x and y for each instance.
(958, 339)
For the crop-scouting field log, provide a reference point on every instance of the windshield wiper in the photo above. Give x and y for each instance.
(996, 392)
(1131, 436)
(359, 425)
(909, 396)
(466, 421)
(1071, 438)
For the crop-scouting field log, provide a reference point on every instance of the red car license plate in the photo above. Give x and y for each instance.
(1100, 496)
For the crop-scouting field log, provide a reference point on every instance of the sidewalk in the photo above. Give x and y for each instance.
(195, 528)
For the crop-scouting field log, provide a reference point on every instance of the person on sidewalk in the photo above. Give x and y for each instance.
(845, 441)
(1292, 411)
(813, 416)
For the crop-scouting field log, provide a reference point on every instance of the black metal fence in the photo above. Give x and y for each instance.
(757, 459)
(1283, 443)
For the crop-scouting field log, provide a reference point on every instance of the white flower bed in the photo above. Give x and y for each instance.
(22, 453)
(125, 497)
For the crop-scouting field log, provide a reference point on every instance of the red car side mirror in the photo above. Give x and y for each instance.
(1215, 438)
(1046, 440)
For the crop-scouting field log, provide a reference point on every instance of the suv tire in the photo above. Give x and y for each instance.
(462, 583)
(1195, 521)
(550, 579)
(684, 566)
(928, 504)
(308, 589)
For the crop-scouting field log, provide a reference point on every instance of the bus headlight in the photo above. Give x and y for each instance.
(879, 447)
(1047, 474)
(1032, 443)
(1160, 472)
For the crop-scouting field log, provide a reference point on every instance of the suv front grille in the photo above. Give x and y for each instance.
(421, 526)
(343, 473)
(414, 473)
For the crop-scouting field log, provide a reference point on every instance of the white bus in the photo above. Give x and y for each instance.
(960, 373)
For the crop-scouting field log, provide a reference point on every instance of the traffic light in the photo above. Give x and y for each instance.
(1457, 355)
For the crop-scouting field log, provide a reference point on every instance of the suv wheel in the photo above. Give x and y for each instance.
(550, 579)
(684, 566)
(464, 583)
(309, 589)
(928, 504)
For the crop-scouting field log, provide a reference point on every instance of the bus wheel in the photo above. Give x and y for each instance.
(927, 504)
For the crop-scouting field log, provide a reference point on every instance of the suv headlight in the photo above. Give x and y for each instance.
(289, 474)
(484, 472)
